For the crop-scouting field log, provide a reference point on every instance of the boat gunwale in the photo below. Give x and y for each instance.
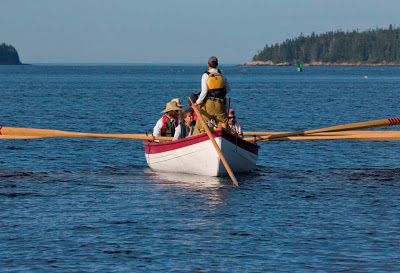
(180, 143)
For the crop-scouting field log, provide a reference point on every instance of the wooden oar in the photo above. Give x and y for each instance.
(353, 135)
(336, 133)
(323, 133)
(221, 156)
(344, 127)
(27, 133)
(250, 133)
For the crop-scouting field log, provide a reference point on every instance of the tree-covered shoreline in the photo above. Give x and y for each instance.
(368, 48)
(8, 55)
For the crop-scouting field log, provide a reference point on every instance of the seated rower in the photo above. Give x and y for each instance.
(186, 126)
(167, 124)
(235, 127)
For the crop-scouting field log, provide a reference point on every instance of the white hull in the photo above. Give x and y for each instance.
(201, 158)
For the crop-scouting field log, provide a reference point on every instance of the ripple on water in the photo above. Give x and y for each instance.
(93, 205)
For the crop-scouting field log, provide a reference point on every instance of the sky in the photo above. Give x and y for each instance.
(175, 31)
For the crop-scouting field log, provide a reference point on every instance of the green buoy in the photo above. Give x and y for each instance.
(299, 67)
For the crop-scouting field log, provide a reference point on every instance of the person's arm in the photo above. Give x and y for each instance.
(157, 128)
(239, 130)
(204, 89)
(177, 134)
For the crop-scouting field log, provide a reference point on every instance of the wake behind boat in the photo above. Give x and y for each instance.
(197, 155)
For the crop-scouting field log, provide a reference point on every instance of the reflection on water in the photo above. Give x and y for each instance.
(184, 180)
(212, 188)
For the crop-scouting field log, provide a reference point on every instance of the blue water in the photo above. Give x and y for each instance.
(93, 205)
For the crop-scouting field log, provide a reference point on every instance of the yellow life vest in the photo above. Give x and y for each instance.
(216, 85)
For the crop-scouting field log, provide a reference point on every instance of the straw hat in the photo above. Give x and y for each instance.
(178, 102)
(171, 106)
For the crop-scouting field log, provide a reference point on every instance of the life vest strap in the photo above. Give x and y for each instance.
(168, 126)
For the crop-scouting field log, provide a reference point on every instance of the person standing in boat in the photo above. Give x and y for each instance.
(235, 127)
(214, 87)
(186, 126)
(167, 124)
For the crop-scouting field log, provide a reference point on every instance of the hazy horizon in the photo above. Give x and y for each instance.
(174, 32)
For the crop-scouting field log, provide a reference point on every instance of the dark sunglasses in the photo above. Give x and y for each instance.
(231, 117)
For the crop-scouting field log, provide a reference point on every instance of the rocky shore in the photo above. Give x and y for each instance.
(270, 63)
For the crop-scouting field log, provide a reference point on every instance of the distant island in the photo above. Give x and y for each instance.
(8, 55)
(379, 47)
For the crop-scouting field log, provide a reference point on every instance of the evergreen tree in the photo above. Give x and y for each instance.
(368, 47)
(8, 54)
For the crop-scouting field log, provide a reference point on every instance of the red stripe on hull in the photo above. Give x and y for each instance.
(246, 145)
(161, 147)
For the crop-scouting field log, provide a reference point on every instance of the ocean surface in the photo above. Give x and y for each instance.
(93, 205)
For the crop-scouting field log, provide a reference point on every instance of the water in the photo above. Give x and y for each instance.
(93, 205)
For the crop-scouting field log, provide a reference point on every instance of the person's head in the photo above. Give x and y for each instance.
(231, 116)
(187, 117)
(172, 109)
(212, 62)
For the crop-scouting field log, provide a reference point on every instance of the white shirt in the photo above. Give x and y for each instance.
(178, 130)
(157, 128)
(204, 84)
(237, 128)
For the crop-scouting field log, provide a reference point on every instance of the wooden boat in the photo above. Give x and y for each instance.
(197, 155)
